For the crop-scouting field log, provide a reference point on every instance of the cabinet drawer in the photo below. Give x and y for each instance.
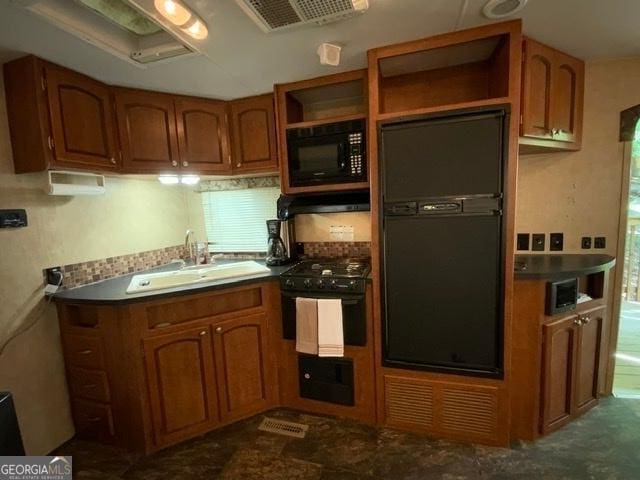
(83, 351)
(92, 419)
(89, 384)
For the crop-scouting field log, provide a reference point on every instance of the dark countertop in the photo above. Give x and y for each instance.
(113, 290)
(560, 266)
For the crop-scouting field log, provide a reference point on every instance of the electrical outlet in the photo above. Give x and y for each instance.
(341, 233)
(523, 241)
(347, 234)
(556, 242)
(537, 242)
(600, 242)
(586, 243)
(53, 276)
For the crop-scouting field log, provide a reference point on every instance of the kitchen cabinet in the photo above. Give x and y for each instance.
(182, 387)
(147, 131)
(570, 365)
(202, 135)
(247, 380)
(254, 134)
(58, 118)
(154, 372)
(552, 98)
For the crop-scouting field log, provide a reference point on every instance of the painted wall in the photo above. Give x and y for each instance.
(133, 216)
(579, 193)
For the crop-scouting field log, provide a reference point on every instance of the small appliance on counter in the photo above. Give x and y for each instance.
(277, 251)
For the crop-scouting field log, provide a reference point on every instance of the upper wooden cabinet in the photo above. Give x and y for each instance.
(147, 130)
(58, 118)
(552, 99)
(61, 119)
(254, 134)
(203, 135)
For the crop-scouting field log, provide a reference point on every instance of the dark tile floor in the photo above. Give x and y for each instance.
(603, 444)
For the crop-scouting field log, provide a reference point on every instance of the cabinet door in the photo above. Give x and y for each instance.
(246, 374)
(537, 75)
(558, 360)
(82, 123)
(181, 381)
(588, 359)
(568, 86)
(202, 136)
(254, 134)
(147, 129)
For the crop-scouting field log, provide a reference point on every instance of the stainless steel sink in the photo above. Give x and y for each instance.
(190, 275)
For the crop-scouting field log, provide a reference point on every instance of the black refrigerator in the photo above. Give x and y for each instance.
(442, 242)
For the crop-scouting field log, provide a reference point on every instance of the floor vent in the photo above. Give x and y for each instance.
(282, 427)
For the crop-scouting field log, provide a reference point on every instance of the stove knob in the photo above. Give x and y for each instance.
(320, 283)
(334, 284)
(288, 283)
(352, 284)
(307, 283)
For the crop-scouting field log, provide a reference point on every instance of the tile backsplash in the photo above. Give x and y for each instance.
(337, 249)
(77, 274)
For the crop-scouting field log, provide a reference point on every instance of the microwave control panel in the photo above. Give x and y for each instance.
(355, 153)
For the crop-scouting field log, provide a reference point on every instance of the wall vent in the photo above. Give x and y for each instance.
(469, 412)
(409, 403)
(278, 15)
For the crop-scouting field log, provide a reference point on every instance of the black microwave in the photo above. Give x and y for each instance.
(326, 154)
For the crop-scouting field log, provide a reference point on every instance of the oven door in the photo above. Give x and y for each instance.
(317, 160)
(354, 316)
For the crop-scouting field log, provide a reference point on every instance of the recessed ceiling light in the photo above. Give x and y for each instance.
(502, 8)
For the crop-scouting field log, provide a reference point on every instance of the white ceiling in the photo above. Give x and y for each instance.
(241, 60)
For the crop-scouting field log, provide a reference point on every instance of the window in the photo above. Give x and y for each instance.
(235, 219)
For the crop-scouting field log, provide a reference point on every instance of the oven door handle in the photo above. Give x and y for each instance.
(349, 299)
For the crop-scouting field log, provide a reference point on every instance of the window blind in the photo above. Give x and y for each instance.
(235, 219)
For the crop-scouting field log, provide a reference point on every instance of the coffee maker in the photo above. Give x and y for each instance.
(281, 242)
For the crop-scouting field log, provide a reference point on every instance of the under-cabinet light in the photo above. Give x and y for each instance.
(169, 179)
(189, 179)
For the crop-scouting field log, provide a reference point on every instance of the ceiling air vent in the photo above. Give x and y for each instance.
(277, 15)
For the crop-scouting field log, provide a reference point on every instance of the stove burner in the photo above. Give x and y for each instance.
(346, 275)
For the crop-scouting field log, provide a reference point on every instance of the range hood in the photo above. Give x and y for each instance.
(288, 207)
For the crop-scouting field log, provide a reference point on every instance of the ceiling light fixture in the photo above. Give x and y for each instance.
(502, 8)
(182, 17)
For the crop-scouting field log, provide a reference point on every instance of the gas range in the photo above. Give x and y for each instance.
(327, 275)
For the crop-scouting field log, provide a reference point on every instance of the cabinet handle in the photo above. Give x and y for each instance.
(586, 319)
(185, 164)
(85, 352)
(577, 321)
(203, 333)
(174, 163)
(112, 160)
(239, 164)
(91, 419)
(90, 385)
(219, 330)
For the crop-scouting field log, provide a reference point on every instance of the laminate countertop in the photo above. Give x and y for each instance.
(560, 266)
(114, 290)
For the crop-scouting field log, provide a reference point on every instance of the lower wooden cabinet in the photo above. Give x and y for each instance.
(182, 386)
(247, 379)
(570, 365)
(150, 374)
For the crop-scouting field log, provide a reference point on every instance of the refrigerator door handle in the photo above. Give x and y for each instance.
(443, 207)
(402, 208)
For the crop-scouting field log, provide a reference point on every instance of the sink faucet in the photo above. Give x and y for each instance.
(189, 243)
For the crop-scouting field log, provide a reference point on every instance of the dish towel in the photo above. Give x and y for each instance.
(307, 325)
(330, 336)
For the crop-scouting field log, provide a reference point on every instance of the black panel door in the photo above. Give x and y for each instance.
(457, 155)
(443, 292)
